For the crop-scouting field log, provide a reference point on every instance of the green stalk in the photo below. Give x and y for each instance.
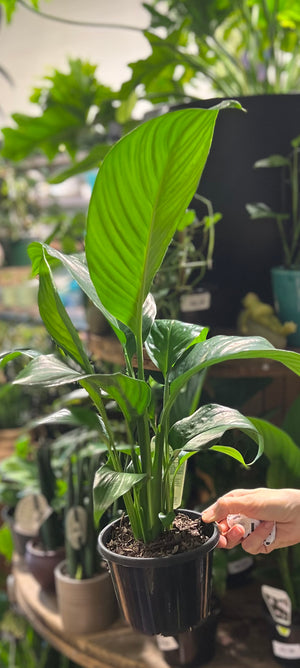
(145, 448)
(97, 400)
(286, 250)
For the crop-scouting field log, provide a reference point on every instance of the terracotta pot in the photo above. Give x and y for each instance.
(163, 595)
(41, 563)
(85, 606)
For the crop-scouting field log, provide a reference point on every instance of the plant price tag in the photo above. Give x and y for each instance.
(278, 603)
(197, 301)
(239, 565)
(76, 527)
(31, 512)
(285, 650)
(178, 481)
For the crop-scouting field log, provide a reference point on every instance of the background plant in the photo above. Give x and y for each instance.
(187, 259)
(239, 47)
(288, 220)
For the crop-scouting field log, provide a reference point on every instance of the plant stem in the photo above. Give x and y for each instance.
(145, 445)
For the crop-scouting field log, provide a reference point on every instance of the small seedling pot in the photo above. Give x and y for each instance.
(163, 595)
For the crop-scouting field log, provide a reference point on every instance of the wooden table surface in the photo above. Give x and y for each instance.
(242, 636)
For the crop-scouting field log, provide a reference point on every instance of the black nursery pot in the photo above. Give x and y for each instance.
(286, 647)
(163, 595)
(194, 648)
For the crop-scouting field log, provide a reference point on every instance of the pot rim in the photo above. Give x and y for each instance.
(58, 573)
(39, 552)
(146, 562)
(280, 269)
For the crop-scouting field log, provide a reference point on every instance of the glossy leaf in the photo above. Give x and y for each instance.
(71, 418)
(77, 267)
(231, 452)
(143, 188)
(109, 485)
(47, 370)
(209, 423)
(132, 395)
(167, 341)
(222, 348)
(56, 319)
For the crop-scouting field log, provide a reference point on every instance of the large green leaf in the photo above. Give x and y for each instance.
(57, 320)
(143, 188)
(77, 267)
(168, 339)
(47, 370)
(221, 348)
(283, 454)
(209, 423)
(132, 395)
(109, 485)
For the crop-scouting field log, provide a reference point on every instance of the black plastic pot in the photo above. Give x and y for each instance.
(163, 595)
(192, 648)
(285, 642)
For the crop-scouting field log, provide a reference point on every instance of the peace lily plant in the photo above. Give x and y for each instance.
(140, 197)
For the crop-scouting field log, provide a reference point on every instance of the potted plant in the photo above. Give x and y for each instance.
(80, 579)
(45, 551)
(285, 278)
(139, 199)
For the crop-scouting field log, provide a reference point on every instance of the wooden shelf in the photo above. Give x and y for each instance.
(242, 638)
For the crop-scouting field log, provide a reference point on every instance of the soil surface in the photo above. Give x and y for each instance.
(186, 534)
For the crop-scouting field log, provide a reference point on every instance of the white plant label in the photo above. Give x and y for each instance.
(167, 643)
(239, 565)
(76, 527)
(278, 603)
(178, 482)
(31, 512)
(197, 301)
(284, 650)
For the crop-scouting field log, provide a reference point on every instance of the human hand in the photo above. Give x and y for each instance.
(267, 505)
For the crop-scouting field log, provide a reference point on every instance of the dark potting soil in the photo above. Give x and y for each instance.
(186, 534)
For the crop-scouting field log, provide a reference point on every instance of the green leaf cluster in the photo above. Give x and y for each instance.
(239, 47)
(287, 222)
(66, 101)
